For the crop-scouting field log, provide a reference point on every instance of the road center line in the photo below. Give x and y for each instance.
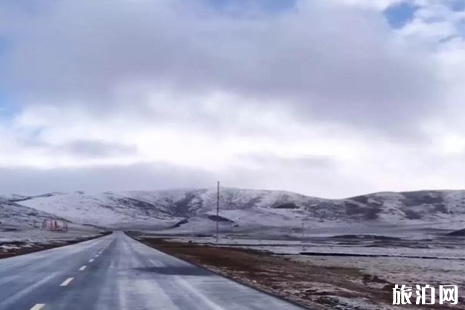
(82, 268)
(91, 260)
(38, 307)
(67, 281)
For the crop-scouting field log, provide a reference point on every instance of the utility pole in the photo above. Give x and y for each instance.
(217, 210)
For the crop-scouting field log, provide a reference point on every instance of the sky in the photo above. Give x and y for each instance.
(329, 98)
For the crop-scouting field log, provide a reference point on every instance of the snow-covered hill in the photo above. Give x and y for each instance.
(153, 207)
(15, 215)
(248, 208)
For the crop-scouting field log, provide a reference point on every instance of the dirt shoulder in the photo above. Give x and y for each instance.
(16, 248)
(311, 286)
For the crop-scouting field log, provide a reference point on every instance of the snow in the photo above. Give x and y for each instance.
(261, 210)
(109, 208)
(402, 271)
(100, 209)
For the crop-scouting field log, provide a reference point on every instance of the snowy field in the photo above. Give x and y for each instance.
(447, 248)
(399, 270)
(12, 239)
(380, 239)
(37, 235)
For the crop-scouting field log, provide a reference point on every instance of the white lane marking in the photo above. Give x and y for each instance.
(82, 268)
(67, 281)
(91, 260)
(38, 307)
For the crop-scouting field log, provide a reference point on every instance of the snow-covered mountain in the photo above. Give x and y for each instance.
(155, 207)
(247, 208)
(15, 215)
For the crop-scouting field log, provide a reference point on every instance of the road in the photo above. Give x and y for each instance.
(116, 272)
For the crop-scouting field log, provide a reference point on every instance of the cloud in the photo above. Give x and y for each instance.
(142, 176)
(91, 148)
(306, 60)
(374, 5)
(319, 97)
(271, 160)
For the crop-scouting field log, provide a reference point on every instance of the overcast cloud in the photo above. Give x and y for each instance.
(327, 98)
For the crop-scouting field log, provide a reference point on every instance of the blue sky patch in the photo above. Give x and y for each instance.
(32, 7)
(7, 110)
(400, 14)
(3, 46)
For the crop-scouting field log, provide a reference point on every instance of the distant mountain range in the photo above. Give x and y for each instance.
(238, 207)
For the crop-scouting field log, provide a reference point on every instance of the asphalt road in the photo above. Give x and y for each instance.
(116, 272)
